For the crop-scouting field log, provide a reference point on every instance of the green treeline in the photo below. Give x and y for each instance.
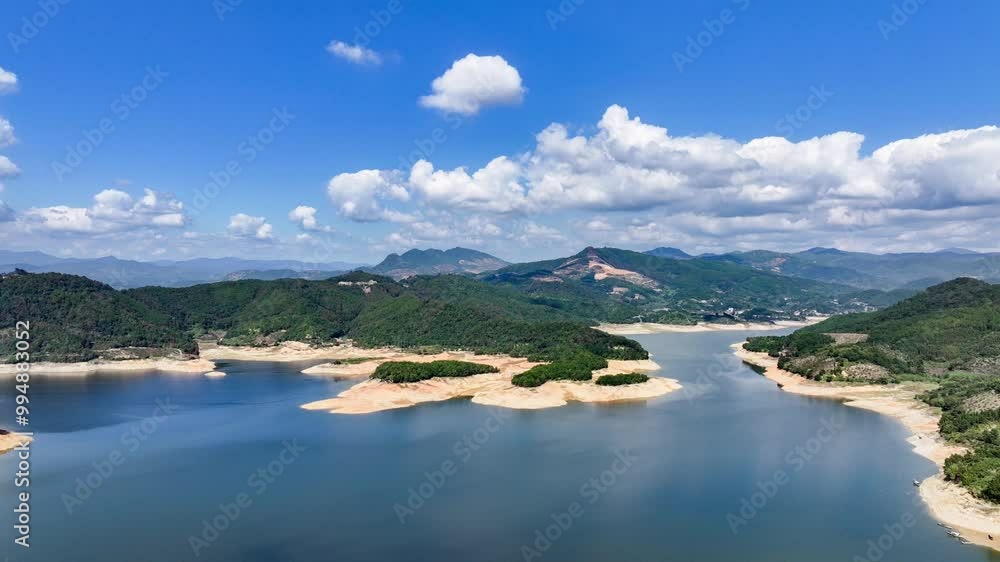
(76, 319)
(619, 380)
(408, 371)
(578, 367)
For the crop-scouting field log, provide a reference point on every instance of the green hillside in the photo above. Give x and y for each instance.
(75, 319)
(949, 335)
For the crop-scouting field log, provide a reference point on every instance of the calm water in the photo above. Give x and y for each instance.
(693, 456)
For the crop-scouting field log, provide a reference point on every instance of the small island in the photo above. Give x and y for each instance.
(491, 380)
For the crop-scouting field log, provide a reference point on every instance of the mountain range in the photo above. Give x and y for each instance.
(124, 274)
(435, 262)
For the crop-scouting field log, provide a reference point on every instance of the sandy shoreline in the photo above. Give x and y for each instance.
(947, 502)
(11, 440)
(492, 389)
(129, 365)
(643, 328)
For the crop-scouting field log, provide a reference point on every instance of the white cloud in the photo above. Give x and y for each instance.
(7, 168)
(496, 187)
(8, 82)
(305, 217)
(112, 211)
(245, 226)
(474, 82)
(712, 191)
(355, 54)
(361, 196)
(7, 137)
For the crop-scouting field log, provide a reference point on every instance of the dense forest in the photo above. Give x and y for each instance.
(75, 319)
(72, 318)
(949, 335)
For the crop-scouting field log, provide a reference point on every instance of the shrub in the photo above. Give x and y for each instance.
(408, 371)
(619, 380)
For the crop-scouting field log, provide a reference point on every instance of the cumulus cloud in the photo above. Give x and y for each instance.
(7, 137)
(7, 168)
(8, 82)
(496, 187)
(474, 82)
(305, 217)
(112, 211)
(361, 196)
(766, 190)
(355, 54)
(245, 226)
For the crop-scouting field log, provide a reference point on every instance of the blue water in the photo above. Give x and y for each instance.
(331, 495)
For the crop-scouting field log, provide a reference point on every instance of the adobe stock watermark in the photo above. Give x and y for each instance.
(258, 481)
(901, 14)
(713, 29)
(463, 450)
(121, 108)
(248, 151)
(818, 96)
(796, 460)
(131, 440)
(591, 491)
(562, 12)
(722, 365)
(32, 25)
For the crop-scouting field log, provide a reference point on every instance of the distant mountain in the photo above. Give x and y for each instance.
(434, 262)
(271, 274)
(124, 274)
(673, 253)
(615, 285)
(872, 271)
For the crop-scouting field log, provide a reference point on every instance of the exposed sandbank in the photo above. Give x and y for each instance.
(643, 328)
(491, 389)
(127, 365)
(289, 351)
(11, 440)
(947, 502)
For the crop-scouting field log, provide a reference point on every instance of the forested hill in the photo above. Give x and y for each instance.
(72, 318)
(76, 319)
(623, 286)
(951, 326)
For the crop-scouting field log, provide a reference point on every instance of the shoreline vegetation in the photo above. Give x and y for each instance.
(947, 502)
(488, 389)
(646, 328)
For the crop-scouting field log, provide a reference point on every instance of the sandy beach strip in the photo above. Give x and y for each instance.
(198, 366)
(11, 440)
(947, 502)
(643, 328)
(492, 389)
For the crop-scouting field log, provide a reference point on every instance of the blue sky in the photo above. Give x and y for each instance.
(887, 70)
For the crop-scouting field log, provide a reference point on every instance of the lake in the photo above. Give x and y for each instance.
(136, 467)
